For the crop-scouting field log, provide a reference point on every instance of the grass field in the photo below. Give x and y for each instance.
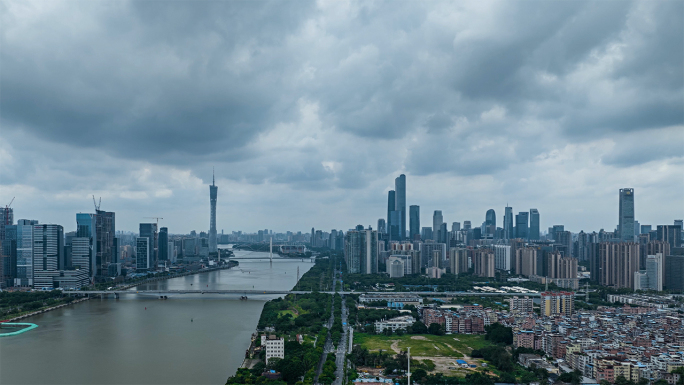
(426, 345)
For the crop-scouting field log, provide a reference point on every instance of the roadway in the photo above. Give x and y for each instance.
(280, 292)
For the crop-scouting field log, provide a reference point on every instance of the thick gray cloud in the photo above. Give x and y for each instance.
(309, 109)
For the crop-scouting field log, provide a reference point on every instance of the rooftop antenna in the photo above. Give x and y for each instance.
(213, 177)
(97, 204)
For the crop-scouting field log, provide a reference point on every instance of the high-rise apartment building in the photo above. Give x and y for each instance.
(509, 229)
(520, 305)
(48, 254)
(414, 222)
(502, 257)
(400, 203)
(534, 234)
(526, 261)
(618, 262)
(458, 260)
(557, 303)
(484, 263)
(626, 215)
(213, 194)
(654, 272)
(427, 254)
(361, 251)
(437, 221)
(521, 227)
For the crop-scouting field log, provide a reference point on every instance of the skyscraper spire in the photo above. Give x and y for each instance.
(213, 192)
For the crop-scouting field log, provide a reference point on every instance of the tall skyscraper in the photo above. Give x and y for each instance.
(25, 251)
(149, 231)
(382, 226)
(213, 192)
(106, 250)
(626, 219)
(534, 225)
(400, 203)
(508, 223)
(674, 273)
(490, 222)
(86, 227)
(414, 222)
(163, 244)
(443, 233)
(48, 254)
(391, 206)
(143, 250)
(521, 227)
(437, 221)
(670, 234)
(6, 218)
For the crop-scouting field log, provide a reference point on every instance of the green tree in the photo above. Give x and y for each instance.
(436, 329)
(418, 328)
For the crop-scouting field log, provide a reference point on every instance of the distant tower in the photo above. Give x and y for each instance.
(213, 192)
(626, 218)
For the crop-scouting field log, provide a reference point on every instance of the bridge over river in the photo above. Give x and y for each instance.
(253, 292)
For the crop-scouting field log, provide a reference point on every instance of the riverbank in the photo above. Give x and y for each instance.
(41, 311)
(301, 320)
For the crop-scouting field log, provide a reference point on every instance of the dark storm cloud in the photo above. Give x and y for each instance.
(142, 98)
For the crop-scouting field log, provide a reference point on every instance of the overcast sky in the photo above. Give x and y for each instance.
(309, 110)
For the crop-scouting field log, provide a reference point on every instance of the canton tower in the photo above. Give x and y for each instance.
(213, 192)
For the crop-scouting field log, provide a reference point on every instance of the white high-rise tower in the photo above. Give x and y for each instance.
(213, 192)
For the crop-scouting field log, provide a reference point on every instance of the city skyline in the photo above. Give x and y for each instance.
(298, 125)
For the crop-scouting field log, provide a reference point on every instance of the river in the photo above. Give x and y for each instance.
(139, 339)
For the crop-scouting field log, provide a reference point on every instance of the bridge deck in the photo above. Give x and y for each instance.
(278, 292)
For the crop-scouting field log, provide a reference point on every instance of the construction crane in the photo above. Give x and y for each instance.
(7, 206)
(97, 205)
(157, 218)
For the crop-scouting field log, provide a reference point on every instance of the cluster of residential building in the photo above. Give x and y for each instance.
(633, 342)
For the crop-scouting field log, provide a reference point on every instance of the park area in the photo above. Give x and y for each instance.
(426, 345)
(437, 353)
